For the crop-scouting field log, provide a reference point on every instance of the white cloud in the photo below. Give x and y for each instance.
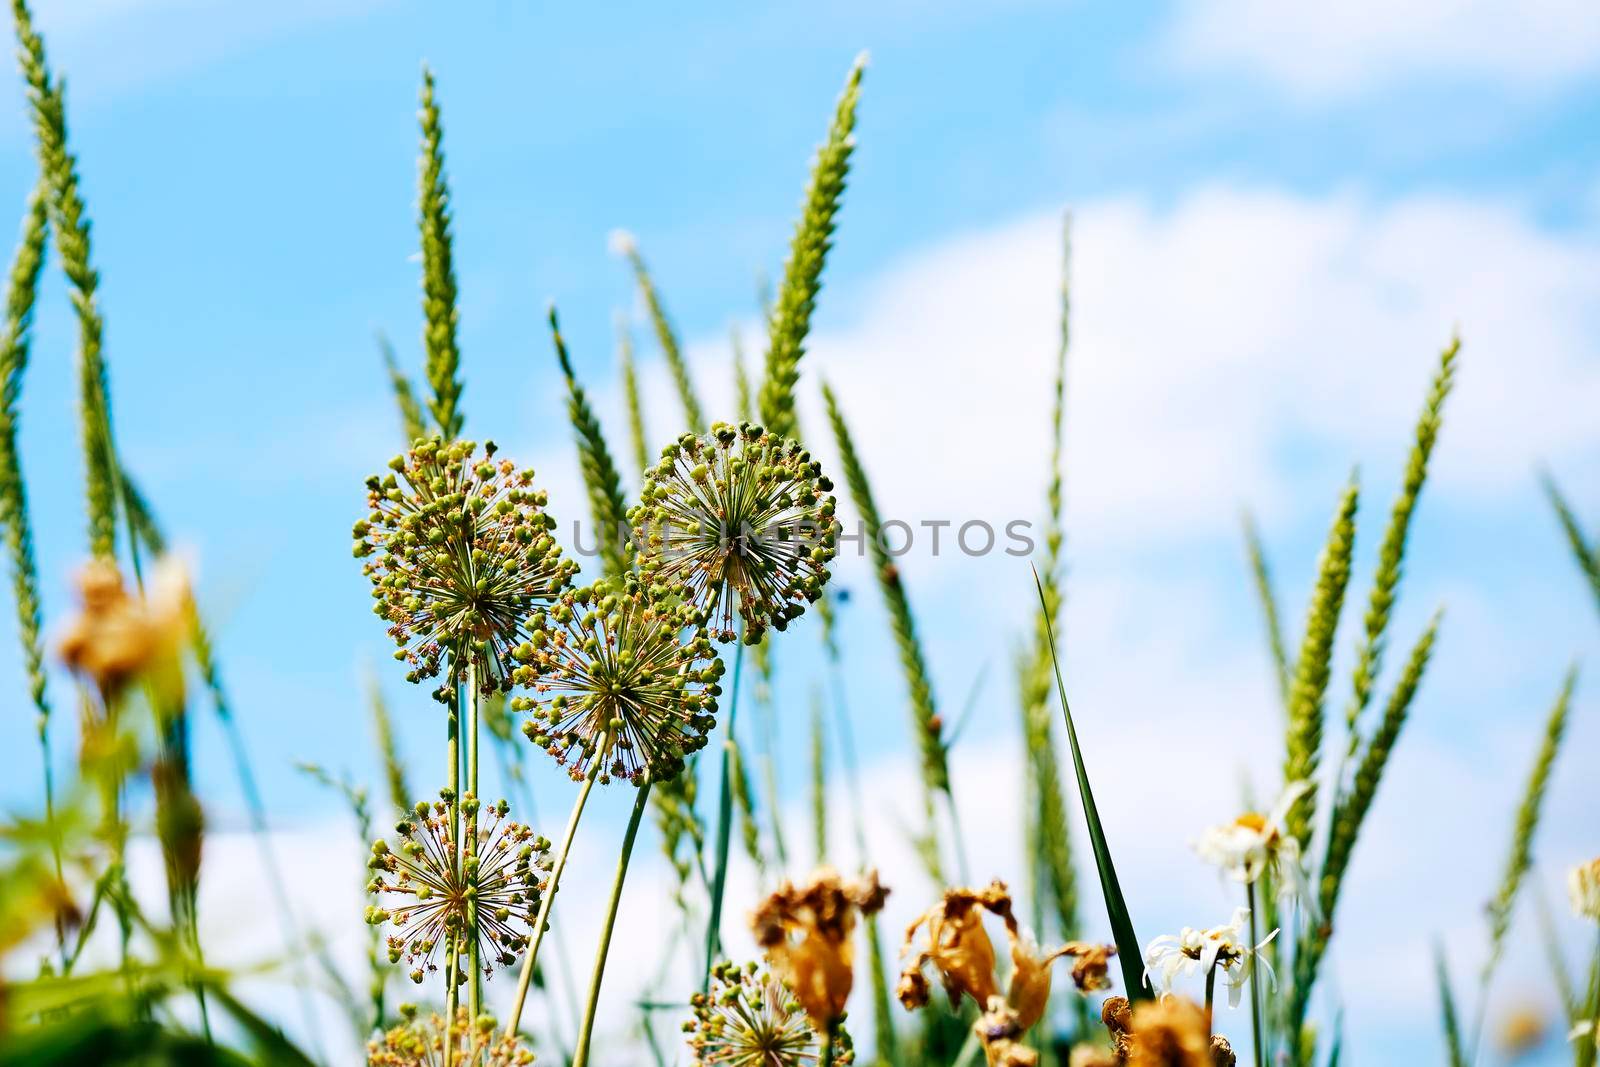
(1337, 50)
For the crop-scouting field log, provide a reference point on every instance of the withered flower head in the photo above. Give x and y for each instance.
(460, 556)
(805, 929)
(1000, 1030)
(427, 893)
(422, 1042)
(751, 1019)
(617, 678)
(1222, 1054)
(957, 945)
(117, 637)
(738, 521)
(1170, 1032)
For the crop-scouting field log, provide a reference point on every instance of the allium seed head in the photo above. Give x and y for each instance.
(425, 892)
(749, 1018)
(460, 556)
(422, 1042)
(618, 678)
(738, 521)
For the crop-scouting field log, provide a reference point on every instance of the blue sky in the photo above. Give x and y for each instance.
(1281, 217)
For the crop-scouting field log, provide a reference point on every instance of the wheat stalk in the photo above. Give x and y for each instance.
(439, 312)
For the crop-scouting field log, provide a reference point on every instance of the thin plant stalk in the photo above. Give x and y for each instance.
(1255, 985)
(1211, 992)
(580, 1057)
(548, 899)
(469, 849)
(719, 882)
(452, 991)
(827, 1045)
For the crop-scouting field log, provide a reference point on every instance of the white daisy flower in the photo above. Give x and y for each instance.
(1224, 948)
(1255, 843)
(1583, 886)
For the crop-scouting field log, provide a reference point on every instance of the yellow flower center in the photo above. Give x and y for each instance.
(1251, 820)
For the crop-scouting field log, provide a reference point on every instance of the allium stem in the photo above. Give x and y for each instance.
(580, 1057)
(470, 847)
(724, 826)
(827, 1046)
(1255, 988)
(452, 991)
(548, 899)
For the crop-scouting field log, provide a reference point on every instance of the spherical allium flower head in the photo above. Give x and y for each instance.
(427, 1042)
(460, 556)
(739, 520)
(426, 893)
(618, 678)
(749, 1018)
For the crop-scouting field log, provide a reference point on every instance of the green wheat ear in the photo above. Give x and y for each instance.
(14, 349)
(1261, 572)
(624, 244)
(60, 171)
(1304, 742)
(1386, 581)
(1052, 873)
(808, 253)
(413, 424)
(438, 271)
(1583, 551)
(394, 768)
(924, 715)
(637, 437)
(607, 506)
(744, 799)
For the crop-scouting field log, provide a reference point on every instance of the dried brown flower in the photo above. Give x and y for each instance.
(1222, 1054)
(117, 637)
(1000, 1029)
(805, 929)
(1170, 1032)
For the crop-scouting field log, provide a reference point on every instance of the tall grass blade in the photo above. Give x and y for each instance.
(413, 423)
(819, 781)
(1127, 942)
(1262, 573)
(1583, 551)
(607, 505)
(394, 768)
(1304, 742)
(443, 356)
(625, 245)
(808, 253)
(924, 716)
(744, 799)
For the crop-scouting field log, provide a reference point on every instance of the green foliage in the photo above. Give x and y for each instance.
(1304, 746)
(924, 715)
(802, 273)
(1448, 1017)
(607, 506)
(439, 313)
(745, 800)
(59, 168)
(394, 768)
(819, 782)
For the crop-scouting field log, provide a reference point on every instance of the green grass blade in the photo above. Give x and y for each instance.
(744, 399)
(413, 423)
(637, 435)
(1127, 942)
(808, 253)
(1262, 573)
(745, 800)
(1391, 554)
(924, 715)
(607, 506)
(667, 337)
(394, 768)
(1588, 559)
(443, 363)
(1303, 748)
